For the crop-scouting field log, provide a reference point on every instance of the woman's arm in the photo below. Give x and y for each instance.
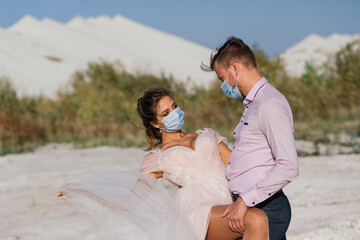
(224, 153)
(157, 175)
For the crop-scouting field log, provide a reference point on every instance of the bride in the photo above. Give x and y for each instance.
(194, 162)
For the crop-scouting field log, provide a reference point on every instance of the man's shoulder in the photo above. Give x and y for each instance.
(270, 95)
(272, 101)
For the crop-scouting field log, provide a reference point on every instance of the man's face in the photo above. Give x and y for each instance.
(224, 74)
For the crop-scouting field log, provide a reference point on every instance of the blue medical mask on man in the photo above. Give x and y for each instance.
(228, 90)
(174, 121)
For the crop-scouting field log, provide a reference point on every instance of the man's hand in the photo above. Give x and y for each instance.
(235, 213)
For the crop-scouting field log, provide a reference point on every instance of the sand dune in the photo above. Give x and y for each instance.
(325, 198)
(40, 56)
(315, 50)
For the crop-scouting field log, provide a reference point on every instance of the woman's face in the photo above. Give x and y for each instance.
(165, 106)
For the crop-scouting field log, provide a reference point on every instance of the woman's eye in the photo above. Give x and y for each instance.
(165, 114)
(175, 106)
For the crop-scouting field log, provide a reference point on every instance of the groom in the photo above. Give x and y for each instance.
(263, 158)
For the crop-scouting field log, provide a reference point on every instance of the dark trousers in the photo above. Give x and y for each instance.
(278, 211)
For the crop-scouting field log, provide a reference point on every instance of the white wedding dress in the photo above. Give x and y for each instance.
(132, 205)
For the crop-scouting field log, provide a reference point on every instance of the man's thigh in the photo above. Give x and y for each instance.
(278, 211)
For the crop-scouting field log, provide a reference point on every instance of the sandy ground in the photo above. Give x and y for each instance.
(325, 198)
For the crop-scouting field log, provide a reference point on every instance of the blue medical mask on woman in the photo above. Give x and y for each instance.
(174, 121)
(228, 90)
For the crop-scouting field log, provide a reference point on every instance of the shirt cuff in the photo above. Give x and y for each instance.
(251, 198)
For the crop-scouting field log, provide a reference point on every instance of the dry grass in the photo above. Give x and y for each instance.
(53, 58)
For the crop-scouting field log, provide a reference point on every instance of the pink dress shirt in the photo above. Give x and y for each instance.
(263, 158)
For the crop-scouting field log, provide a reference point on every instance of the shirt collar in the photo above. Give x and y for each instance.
(251, 95)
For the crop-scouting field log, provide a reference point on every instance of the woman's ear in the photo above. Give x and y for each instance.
(155, 125)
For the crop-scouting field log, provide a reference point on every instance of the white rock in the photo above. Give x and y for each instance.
(305, 147)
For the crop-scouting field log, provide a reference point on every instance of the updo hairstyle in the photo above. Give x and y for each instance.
(147, 110)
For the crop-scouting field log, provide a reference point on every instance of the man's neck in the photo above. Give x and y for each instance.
(251, 78)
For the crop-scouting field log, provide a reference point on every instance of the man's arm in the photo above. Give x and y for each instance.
(276, 124)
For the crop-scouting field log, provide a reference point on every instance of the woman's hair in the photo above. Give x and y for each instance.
(233, 50)
(147, 110)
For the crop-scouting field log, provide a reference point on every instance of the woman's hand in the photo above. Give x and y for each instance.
(59, 194)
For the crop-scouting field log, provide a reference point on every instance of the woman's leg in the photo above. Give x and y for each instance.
(255, 223)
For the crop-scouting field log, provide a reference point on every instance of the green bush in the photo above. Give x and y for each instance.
(99, 106)
(19, 128)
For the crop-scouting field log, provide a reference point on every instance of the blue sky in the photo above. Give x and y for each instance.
(274, 25)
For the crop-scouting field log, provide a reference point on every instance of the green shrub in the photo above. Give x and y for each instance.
(99, 106)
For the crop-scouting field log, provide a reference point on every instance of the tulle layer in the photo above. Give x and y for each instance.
(197, 198)
(130, 205)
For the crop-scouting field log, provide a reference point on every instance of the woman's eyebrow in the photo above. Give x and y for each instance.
(164, 111)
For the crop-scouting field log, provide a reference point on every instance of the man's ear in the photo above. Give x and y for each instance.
(236, 66)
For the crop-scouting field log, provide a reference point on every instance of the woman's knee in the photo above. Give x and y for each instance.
(256, 216)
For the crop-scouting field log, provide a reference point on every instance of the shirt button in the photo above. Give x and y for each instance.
(253, 202)
(269, 194)
(234, 133)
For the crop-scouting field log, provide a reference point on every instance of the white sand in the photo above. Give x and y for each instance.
(325, 198)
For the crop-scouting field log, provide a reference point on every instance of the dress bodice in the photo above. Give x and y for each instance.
(182, 165)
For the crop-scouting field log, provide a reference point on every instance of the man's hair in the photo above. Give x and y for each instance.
(233, 50)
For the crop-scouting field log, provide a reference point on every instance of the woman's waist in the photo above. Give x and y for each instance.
(190, 179)
(218, 176)
(208, 189)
